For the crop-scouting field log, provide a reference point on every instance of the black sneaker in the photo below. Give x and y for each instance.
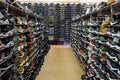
(112, 76)
(113, 66)
(113, 55)
(101, 5)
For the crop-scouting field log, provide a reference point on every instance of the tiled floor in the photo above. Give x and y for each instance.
(60, 64)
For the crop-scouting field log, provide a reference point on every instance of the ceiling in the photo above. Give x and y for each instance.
(61, 1)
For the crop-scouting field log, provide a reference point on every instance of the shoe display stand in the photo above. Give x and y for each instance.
(67, 22)
(23, 43)
(62, 25)
(95, 40)
(57, 19)
(51, 23)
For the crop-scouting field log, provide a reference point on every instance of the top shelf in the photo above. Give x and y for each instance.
(104, 11)
(18, 12)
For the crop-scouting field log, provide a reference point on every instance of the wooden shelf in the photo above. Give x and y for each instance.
(18, 12)
(104, 11)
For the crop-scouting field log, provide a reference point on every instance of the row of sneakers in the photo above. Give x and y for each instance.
(42, 49)
(6, 32)
(104, 40)
(8, 45)
(7, 18)
(19, 52)
(97, 45)
(101, 72)
(112, 73)
(97, 6)
(25, 49)
(33, 50)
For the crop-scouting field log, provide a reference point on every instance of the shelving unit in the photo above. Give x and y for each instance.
(67, 22)
(23, 43)
(51, 19)
(94, 44)
(58, 19)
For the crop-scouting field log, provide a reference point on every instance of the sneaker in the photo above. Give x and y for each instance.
(103, 39)
(10, 1)
(90, 72)
(102, 76)
(112, 55)
(4, 68)
(29, 29)
(21, 53)
(84, 58)
(21, 70)
(91, 30)
(20, 46)
(112, 76)
(104, 30)
(84, 77)
(1, 15)
(20, 37)
(113, 23)
(5, 55)
(18, 4)
(2, 56)
(101, 5)
(9, 33)
(92, 57)
(116, 47)
(94, 37)
(89, 48)
(113, 41)
(2, 35)
(2, 45)
(115, 31)
(115, 35)
(103, 48)
(106, 22)
(20, 29)
(10, 44)
(18, 19)
(30, 42)
(110, 2)
(113, 66)
(110, 45)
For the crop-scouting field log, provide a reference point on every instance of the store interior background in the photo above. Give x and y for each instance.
(59, 40)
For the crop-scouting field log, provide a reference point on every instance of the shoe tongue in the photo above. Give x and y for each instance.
(116, 40)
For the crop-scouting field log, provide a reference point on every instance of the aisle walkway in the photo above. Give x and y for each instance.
(60, 64)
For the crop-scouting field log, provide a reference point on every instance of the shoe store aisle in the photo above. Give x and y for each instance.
(60, 64)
